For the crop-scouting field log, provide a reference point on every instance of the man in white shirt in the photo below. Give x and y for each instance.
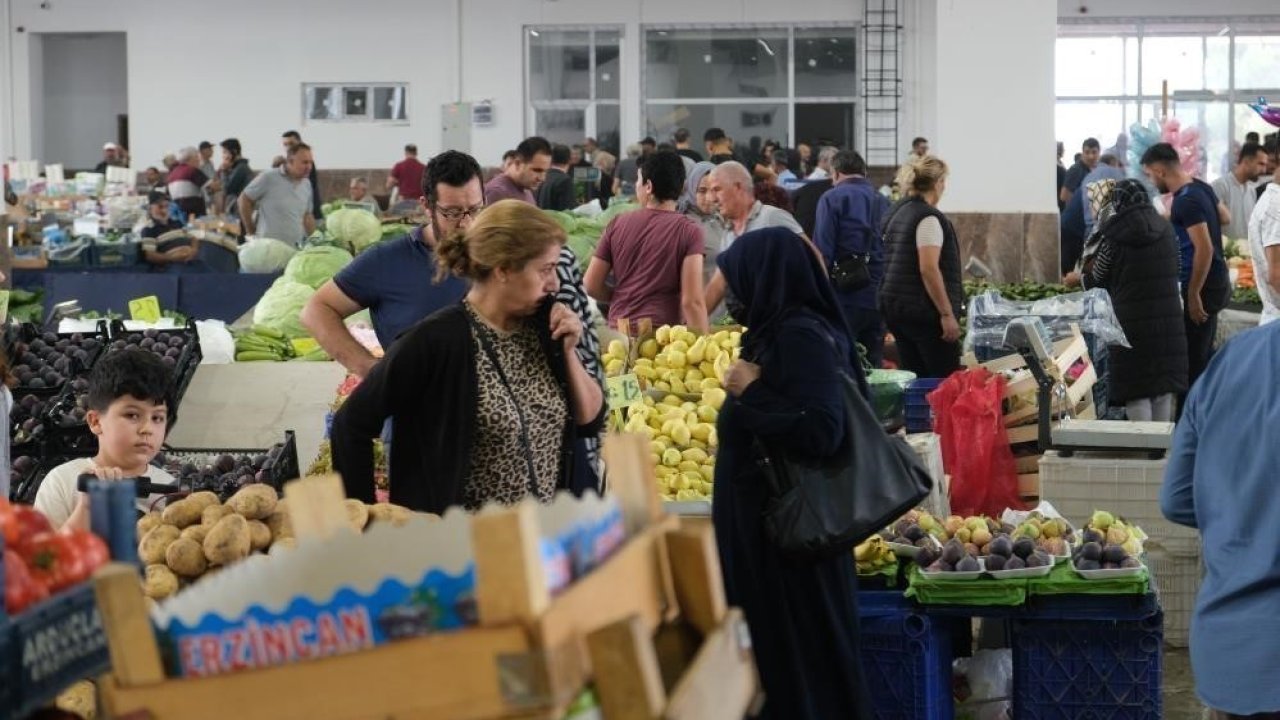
(1264, 245)
(823, 170)
(1238, 188)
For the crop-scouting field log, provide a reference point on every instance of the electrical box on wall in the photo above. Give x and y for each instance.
(456, 127)
(482, 114)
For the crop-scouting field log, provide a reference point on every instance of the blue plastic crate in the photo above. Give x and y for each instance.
(53, 645)
(115, 254)
(906, 659)
(1066, 670)
(919, 414)
(919, 420)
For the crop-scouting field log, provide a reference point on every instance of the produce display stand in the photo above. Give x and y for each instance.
(49, 646)
(649, 626)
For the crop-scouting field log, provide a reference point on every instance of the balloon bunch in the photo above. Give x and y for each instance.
(1269, 113)
(1185, 140)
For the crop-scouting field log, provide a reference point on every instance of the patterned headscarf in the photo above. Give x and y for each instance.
(1128, 193)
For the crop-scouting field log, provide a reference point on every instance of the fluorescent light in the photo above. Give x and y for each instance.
(765, 45)
(535, 33)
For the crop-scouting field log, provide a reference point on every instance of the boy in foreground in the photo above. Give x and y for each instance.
(128, 411)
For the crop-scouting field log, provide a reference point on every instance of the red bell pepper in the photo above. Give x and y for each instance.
(21, 590)
(54, 561)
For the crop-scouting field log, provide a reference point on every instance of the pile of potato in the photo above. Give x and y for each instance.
(197, 535)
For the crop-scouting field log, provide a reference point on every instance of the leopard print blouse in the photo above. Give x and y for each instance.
(499, 469)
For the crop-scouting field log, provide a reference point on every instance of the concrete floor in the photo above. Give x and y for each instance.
(1180, 702)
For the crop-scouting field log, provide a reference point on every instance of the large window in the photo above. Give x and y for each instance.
(572, 83)
(1110, 76)
(784, 83)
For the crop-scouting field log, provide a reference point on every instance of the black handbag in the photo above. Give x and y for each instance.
(827, 506)
(851, 274)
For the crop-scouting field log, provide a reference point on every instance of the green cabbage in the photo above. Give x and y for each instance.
(357, 229)
(264, 255)
(281, 307)
(315, 265)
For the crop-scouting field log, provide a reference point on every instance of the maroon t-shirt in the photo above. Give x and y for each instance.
(408, 175)
(646, 250)
(502, 187)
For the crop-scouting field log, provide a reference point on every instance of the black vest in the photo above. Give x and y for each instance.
(1143, 285)
(902, 294)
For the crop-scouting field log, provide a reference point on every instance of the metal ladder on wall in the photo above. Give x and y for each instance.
(881, 81)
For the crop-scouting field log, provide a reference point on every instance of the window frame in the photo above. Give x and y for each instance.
(790, 100)
(339, 90)
(588, 106)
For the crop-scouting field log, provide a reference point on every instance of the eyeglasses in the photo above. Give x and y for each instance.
(455, 214)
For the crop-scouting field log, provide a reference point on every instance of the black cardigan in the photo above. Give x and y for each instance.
(427, 382)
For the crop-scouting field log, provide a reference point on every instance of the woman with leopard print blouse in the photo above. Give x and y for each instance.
(491, 403)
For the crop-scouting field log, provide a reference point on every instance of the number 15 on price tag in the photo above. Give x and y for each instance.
(623, 391)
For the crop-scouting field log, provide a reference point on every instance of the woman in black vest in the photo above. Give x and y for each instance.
(922, 294)
(1137, 263)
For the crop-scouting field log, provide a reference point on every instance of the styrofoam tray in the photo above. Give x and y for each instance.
(1019, 573)
(1109, 574)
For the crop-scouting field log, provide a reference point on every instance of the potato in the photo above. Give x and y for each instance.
(186, 558)
(160, 582)
(259, 535)
(279, 525)
(147, 523)
(181, 514)
(397, 515)
(196, 532)
(212, 514)
(357, 514)
(228, 541)
(81, 700)
(255, 501)
(203, 499)
(154, 543)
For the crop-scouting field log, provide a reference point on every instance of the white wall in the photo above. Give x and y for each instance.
(203, 73)
(993, 103)
(84, 90)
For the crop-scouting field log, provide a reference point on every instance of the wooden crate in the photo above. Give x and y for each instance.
(530, 656)
(1065, 354)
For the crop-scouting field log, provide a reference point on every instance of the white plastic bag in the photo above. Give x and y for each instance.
(990, 678)
(216, 342)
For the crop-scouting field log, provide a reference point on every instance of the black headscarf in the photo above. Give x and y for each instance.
(775, 275)
(1129, 192)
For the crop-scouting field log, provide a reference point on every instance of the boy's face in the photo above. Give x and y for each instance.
(129, 432)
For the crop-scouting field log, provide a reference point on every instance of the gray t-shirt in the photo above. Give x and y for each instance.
(762, 216)
(281, 202)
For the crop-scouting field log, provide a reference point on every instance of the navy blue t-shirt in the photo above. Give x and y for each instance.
(394, 279)
(1196, 203)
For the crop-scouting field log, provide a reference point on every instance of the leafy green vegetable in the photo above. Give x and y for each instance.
(315, 265)
(1246, 296)
(264, 255)
(355, 228)
(281, 307)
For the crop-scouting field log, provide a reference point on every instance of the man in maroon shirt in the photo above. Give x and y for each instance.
(654, 254)
(521, 177)
(407, 175)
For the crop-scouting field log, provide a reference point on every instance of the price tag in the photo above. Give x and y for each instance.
(145, 309)
(4, 305)
(623, 391)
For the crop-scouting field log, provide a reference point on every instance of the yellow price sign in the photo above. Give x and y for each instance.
(4, 305)
(145, 309)
(622, 391)
(302, 346)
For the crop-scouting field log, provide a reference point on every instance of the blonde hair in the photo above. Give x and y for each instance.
(508, 235)
(921, 175)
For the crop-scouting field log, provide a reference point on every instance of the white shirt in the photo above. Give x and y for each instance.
(1264, 232)
(58, 495)
(1239, 199)
(818, 174)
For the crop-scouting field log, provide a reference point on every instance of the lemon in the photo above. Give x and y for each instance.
(688, 407)
(663, 386)
(663, 471)
(613, 367)
(680, 434)
(617, 348)
(708, 486)
(708, 414)
(677, 386)
(671, 457)
(649, 401)
(708, 472)
(649, 349)
(672, 400)
(697, 351)
(712, 352)
(645, 372)
(694, 454)
(714, 398)
(708, 383)
(701, 431)
(700, 444)
(693, 377)
(663, 335)
(687, 466)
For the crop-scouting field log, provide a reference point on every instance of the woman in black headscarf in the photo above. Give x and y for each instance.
(786, 388)
(1136, 261)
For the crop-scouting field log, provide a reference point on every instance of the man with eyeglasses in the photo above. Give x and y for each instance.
(394, 278)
